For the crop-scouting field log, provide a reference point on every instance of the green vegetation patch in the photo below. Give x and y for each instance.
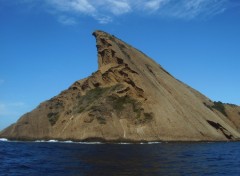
(53, 117)
(119, 103)
(83, 102)
(101, 102)
(112, 38)
(101, 120)
(220, 107)
(95, 93)
(148, 116)
(232, 105)
(208, 106)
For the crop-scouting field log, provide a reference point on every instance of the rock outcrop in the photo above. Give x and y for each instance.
(129, 98)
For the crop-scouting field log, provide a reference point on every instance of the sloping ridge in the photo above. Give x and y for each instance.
(129, 98)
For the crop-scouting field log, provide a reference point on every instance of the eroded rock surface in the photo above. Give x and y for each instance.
(129, 98)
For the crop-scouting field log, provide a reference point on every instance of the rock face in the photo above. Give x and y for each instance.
(129, 98)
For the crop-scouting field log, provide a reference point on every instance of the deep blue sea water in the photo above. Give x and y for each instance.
(34, 158)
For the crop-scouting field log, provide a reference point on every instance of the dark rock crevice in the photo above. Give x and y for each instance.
(217, 126)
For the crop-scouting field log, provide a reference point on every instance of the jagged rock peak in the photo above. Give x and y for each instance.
(100, 33)
(129, 98)
(111, 50)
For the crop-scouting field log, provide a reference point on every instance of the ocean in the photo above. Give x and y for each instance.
(68, 158)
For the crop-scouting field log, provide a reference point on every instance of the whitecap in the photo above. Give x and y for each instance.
(3, 140)
(67, 141)
(124, 143)
(52, 140)
(154, 143)
(39, 141)
(90, 143)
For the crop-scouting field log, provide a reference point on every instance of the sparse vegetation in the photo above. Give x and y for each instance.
(121, 46)
(88, 99)
(148, 116)
(95, 93)
(232, 105)
(220, 107)
(118, 103)
(100, 102)
(53, 117)
(208, 106)
(68, 112)
(58, 104)
(111, 37)
(80, 110)
(101, 120)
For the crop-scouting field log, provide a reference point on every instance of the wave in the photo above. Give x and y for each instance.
(50, 141)
(3, 140)
(154, 142)
(90, 143)
(87, 143)
(142, 143)
(124, 143)
(56, 141)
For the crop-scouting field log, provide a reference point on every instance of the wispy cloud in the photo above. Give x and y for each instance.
(79, 6)
(190, 9)
(67, 20)
(118, 7)
(154, 5)
(104, 11)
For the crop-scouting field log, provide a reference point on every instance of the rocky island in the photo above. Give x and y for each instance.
(129, 98)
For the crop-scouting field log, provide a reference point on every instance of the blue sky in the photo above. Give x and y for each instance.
(46, 45)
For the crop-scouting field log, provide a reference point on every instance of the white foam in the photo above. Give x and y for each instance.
(90, 143)
(40, 141)
(67, 141)
(3, 140)
(124, 143)
(52, 140)
(154, 143)
(56, 141)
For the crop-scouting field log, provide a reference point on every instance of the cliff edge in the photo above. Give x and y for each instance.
(129, 98)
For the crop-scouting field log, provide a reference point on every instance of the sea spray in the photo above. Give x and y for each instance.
(3, 140)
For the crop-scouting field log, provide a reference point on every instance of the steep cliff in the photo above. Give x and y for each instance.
(129, 98)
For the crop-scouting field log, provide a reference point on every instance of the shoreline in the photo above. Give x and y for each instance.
(91, 141)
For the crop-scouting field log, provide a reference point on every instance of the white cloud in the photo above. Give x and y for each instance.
(118, 7)
(79, 6)
(104, 11)
(65, 20)
(103, 19)
(190, 9)
(154, 5)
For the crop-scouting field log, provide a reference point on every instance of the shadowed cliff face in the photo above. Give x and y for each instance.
(129, 98)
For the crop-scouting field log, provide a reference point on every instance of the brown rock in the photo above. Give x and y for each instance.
(129, 98)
